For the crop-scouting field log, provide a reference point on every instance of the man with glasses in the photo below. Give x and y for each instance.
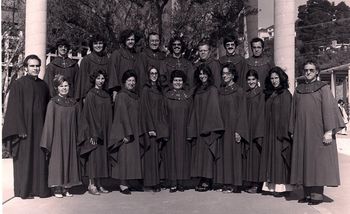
(259, 61)
(315, 119)
(204, 51)
(230, 44)
(176, 61)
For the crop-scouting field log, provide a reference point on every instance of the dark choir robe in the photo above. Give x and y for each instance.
(233, 105)
(90, 63)
(67, 67)
(59, 139)
(215, 68)
(178, 149)
(262, 65)
(241, 67)
(170, 64)
(96, 122)
(205, 126)
(277, 147)
(148, 58)
(314, 111)
(126, 157)
(120, 61)
(26, 115)
(152, 119)
(256, 127)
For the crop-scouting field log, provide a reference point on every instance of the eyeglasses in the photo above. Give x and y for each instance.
(230, 44)
(177, 44)
(155, 73)
(311, 70)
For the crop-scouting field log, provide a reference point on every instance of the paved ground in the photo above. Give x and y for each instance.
(338, 199)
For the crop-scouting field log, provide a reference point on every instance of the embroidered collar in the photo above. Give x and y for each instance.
(64, 63)
(225, 90)
(100, 60)
(64, 101)
(100, 93)
(154, 54)
(254, 92)
(177, 94)
(306, 88)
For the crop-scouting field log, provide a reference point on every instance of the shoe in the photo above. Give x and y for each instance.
(314, 202)
(181, 188)
(227, 189)
(125, 191)
(58, 195)
(236, 189)
(201, 188)
(304, 200)
(58, 192)
(253, 189)
(156, 188)
(68, 194)
(93, 190)
(173, 189)
(102, 190)
(277, 194)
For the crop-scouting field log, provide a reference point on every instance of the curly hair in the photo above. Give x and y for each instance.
(206, 70)
(97, 73)
(178, 73)
(58, 80)
(171, 42)
(97, 38)
(127, 74)
(229, 38)
(124, 35)
(62, 42)
(269, 88)
(232, 69)
(252, 72)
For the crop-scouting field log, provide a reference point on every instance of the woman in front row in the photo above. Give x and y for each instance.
(124, 144)
(276, 150)
(59, 139)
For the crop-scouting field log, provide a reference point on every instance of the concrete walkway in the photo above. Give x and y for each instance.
(189, 202)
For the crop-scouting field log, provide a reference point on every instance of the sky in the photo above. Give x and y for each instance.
(266, 10)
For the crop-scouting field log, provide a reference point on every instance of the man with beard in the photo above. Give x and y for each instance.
(258, 61)
(205, 58)
(62, 65)
(176, 61)
(150, 57)
(230, 43)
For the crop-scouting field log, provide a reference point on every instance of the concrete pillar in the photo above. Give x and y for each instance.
(284, 42)
(252, 24)
(348, 92)
(35, 31)
(333, 82)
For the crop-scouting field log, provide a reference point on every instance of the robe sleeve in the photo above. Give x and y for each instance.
(259, 126)
(212, 120)
(113, 70)
(147, 123)
(242, 128)
(48, 129)
(284, 115)
(332, 119)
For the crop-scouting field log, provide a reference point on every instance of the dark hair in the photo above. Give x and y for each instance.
(127, 74)
(62, 42)
(178, 73)
(232, 69)
(230, 38)
(252, 72)
(97, 38)
(269, 89)
(206, 69)
(340, 101)
(150, 67)
(172, 40)
(32, 56)
(257, 39)
(124, 35)
(58, 80)
(97, 73)
(154, 34)
(312, 62)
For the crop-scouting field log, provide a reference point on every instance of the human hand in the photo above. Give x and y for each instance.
(125, 140)
(238, 137)
(114, 95)
(93, 141)
(327, 138)
(22, 135)
(152, 133)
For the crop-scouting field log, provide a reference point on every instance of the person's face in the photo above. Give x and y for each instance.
(230, 47)
(99, 81)
(130, 42)
(275, 80)
(252, 82)
(178, 82)
(130, 83)
(203, 77)
(62, 50)
(257, 49)
(63, 89)
(153, 74)
(227, 76)
(177, 47)
(97, 46)
(33, 67)
(204, 52)
(154, 42)
(310, 72)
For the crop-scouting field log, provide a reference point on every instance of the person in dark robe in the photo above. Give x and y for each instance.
(23, 124)
(151, 56)
(233, 106)
(277, 147)
(256, 132)
(204, 50)
(96, 123)
(121, 60)
(176, 61)
(124, 144)
(230, 44)
(62, 65)
(178, 148)
(153, 129)
(205, 127)
(59, 139)
(314, 122)
(96, 60)
(259, 62)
